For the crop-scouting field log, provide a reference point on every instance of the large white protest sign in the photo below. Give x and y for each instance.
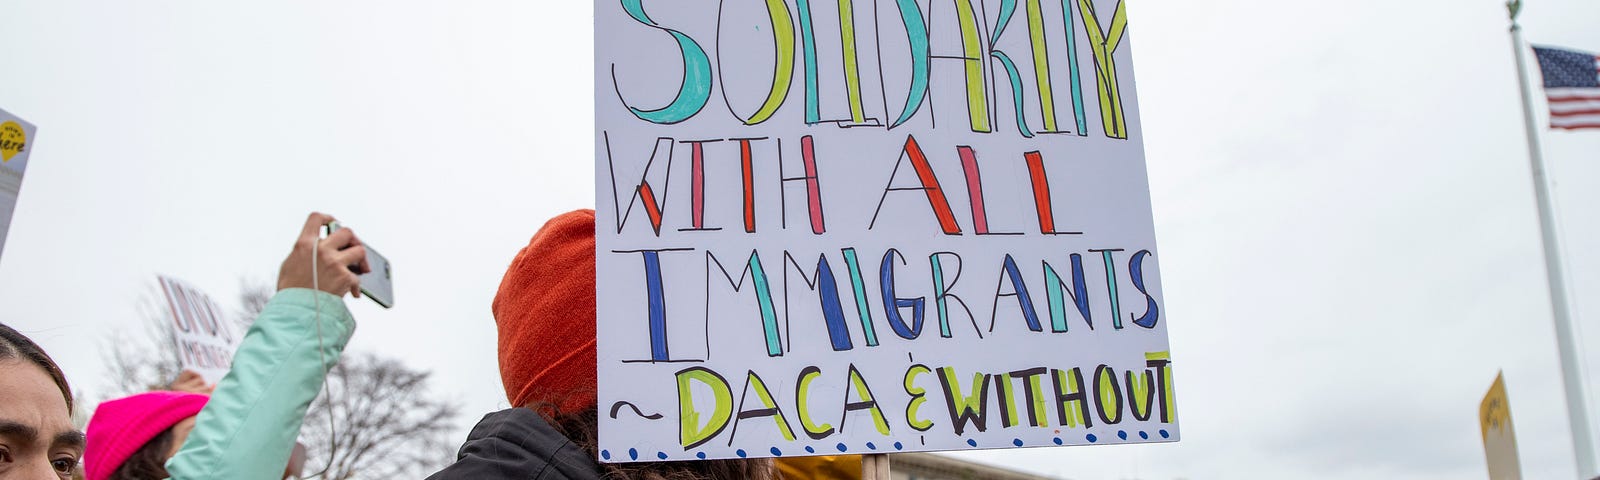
(205, 342)
(871, 227)
(15, 134)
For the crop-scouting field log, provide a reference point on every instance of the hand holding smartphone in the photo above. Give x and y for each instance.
(378, 283)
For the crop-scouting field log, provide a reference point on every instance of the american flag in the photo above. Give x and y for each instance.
(1572, 84)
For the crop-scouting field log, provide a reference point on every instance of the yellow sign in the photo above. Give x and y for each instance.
(12, 140)
(1499, 439)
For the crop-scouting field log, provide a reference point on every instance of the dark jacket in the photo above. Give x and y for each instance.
(518, 443)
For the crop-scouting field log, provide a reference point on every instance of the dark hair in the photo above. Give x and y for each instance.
(14, 344)
(149, 462)
(582, 428)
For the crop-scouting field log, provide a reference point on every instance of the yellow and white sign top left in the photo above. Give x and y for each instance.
(16, 136)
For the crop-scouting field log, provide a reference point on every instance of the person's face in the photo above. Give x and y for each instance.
(37, 440)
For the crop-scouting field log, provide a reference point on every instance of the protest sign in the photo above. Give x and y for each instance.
(14, 147)
(205, 342)
(872, 227)
(1499, 437)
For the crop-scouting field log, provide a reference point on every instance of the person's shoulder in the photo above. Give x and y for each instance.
(513, 442)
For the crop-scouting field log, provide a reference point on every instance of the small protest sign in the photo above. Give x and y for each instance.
(1499, 437)
(855, 227)
(202, 335)
(15, 133)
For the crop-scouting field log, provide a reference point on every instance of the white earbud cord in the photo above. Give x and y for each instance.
(322, 357)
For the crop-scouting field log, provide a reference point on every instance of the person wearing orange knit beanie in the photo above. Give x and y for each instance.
(545, 315)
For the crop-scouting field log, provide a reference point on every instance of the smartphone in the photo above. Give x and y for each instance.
(377, 284)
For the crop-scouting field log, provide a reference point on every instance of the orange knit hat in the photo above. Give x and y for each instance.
(545, 314)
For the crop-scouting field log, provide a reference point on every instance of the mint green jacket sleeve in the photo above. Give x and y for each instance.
(249, 426)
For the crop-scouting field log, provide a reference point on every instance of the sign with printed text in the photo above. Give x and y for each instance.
(854, 227)
(15, 133)
(204, 340)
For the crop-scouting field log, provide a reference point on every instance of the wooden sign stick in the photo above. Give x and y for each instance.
(875, 467)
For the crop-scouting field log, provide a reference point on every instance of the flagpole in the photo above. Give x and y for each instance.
(1566, 342)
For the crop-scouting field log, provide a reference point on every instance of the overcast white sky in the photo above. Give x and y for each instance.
(1341, 196)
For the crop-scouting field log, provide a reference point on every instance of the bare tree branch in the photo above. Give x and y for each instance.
(383, 423)
(147, 360)
(253, 298)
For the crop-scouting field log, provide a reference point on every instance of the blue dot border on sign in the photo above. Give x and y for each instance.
(874, 447)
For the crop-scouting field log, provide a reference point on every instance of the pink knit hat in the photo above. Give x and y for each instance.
(119, 427)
